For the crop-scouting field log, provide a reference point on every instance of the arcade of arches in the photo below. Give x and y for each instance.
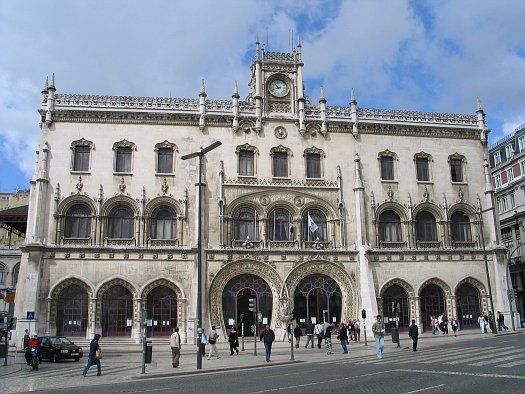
(72, 309)
(399, 307)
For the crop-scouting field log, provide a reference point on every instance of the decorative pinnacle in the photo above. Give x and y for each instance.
(235, 89)
(321, 96)
(479, 105)
(352, 99)
(299, 41)
(257, 39)
(52, 85)
(203, 88)
(46, 85)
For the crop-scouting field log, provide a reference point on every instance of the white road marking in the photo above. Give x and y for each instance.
(497, 360)
(481, 375)
(462, 360)
(513, 364)
(316, 383)
(426, 388)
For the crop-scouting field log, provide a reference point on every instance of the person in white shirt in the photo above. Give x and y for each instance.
(318, 332)
(175, 347)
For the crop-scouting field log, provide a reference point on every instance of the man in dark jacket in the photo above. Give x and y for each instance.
(92, 358)
(413, 332)
(297, 333)
(267, 336)
(309, 334)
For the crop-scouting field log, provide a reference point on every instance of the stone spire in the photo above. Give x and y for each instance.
(50, 100)
(322, 107)
(202, 106)
(353, 114)
(235, 107)
(482, 122)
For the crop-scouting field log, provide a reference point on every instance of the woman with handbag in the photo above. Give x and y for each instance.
(95, 355)
(212, 340)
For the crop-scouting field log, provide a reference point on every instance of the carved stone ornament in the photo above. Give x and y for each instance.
(246, 126)
(122, 186)
(264, 200)
(123, 144)
(426, 195)
(57, 193)
(314, 150)
(390, 193)
(298, 201)
(164, 187)
(460, 196)
(313, 128)
(166, 144)
(280, 132)
(79, 185)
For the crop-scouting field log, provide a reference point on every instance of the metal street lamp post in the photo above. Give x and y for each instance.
(200, 154)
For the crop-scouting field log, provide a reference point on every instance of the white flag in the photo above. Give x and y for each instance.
(311, 224)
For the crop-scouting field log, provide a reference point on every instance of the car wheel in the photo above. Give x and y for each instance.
(77, 359)
(56, 359)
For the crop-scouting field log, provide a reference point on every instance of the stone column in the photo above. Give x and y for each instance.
(264, 232)
(92, 318)
(48, 316)
(417, 314)
(182, 321)
(180, 230)
(136, 329)
(452, 311)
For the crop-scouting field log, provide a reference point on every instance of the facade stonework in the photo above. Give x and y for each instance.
(320, 209)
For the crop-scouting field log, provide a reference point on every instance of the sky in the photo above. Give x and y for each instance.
(419, 55)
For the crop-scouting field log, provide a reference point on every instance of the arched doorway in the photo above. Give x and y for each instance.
(317, 297)
(117, 312)
(432, 300)
(162, 310)
(235, 303)
(468, 304)
(396, 306)
(72, 311)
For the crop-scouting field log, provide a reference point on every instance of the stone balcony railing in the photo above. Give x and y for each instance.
(429, 244)
(464, 244)
(120, 241)
(163, 243)
(76, 241)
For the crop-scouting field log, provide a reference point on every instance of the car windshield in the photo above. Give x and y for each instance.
(60, 341)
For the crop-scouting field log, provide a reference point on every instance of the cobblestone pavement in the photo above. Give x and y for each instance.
(478, 354)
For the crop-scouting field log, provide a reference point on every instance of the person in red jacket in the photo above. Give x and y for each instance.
(33, 342)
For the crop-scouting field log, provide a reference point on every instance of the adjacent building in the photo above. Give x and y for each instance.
(325, 209)
(507, 161)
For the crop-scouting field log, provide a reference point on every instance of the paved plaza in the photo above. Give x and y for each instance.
(454, 363)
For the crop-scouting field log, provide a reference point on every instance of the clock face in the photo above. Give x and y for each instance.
(278, 88)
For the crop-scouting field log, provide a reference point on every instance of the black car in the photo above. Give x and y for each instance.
(59, 348)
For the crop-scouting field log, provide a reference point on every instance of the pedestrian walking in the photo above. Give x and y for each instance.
(309, 334)
(351, 331)
(433, 324)
(481, 322)
(94, 357)
(328, 338)
(501, 322)
(413, 332)
(455, 325)
(491, 322)
(444, 321)
(204, 342)
(297, 333)
(378, 328)
(267, 336)
(343, 337)
(26, 338)
(318, 332)
(357, 328)
(233, 339)
(212, 341)
(175, 347)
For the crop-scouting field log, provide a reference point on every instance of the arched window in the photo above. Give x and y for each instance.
(280, 225)
(314, 226)
(120, 222)
(164, 223)
(390, 227)
(3, 273)
(14, 277)
(78, 222)
(426, 230)
(461, 227)
(246, 224)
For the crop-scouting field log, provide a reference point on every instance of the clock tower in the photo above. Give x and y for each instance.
(276, 85)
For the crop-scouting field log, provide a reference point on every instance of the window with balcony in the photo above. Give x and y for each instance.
(509, 151)
(460, 223)
(497, 180)
(456, 163)
(164, 223)
(313, 165)
(313, 226)
(246, 224)
(387, 168)
(510, 174)
(246, 162)
(389, 227)
(81, 152)
(123, 156)
(78, 222)
(165, 161)
(280, 225)
(426, 230)
(121, 222)
(521, 142)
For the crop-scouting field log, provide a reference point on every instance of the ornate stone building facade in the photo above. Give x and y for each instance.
(330, 210)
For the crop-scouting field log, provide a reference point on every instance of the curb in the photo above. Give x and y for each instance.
(215, 370)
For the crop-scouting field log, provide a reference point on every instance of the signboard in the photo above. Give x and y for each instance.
(31, 315)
